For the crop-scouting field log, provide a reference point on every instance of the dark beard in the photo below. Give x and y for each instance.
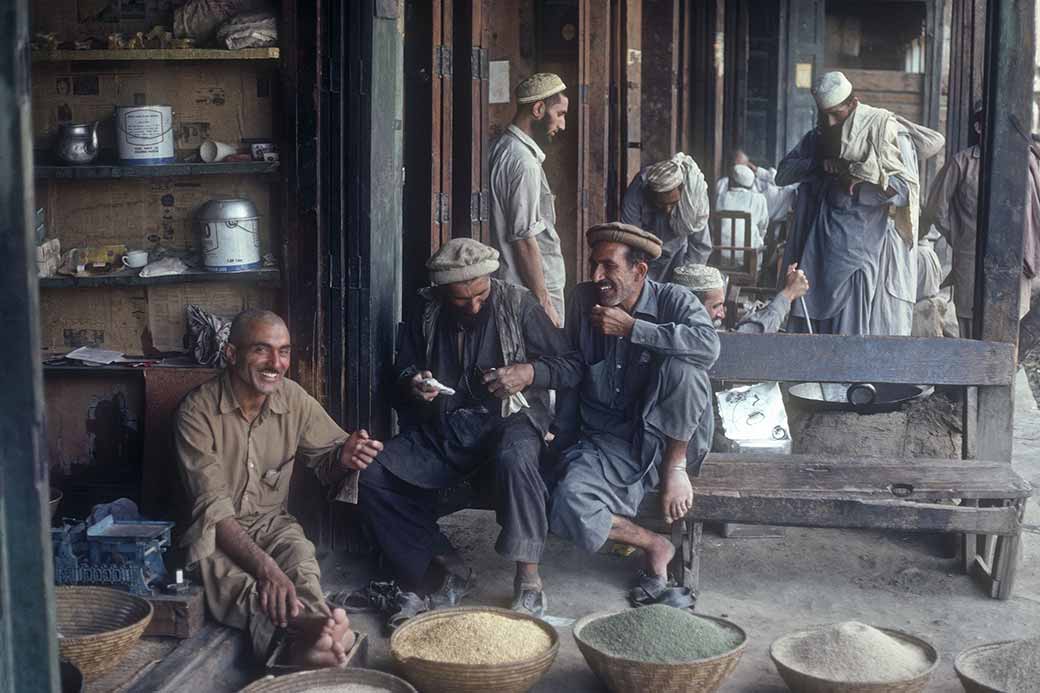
(830, 141)
(540, 130)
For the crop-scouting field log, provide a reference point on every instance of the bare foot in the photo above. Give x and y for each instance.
(320, 641)
(659, 555)
(676, 494)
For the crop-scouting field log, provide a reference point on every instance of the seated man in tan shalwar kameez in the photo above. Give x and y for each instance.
(237, 437)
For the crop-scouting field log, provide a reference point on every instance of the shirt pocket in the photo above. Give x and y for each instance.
(598, 384)
(547, 207)
(276, 480)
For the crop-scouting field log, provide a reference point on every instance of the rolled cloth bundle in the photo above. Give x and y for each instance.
(681, 169)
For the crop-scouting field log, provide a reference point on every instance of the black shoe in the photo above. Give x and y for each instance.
(453, 590)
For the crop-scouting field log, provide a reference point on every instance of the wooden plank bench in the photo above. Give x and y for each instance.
(817, 491)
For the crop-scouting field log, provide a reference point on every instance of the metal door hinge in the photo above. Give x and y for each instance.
(441, 208)
(484, 212)
(442, 61)
(478, 63)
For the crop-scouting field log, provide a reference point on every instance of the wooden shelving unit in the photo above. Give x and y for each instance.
(267, 276)
(110, 171)
(104, 55)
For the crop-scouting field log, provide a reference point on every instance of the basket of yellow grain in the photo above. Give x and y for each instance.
(332, 681)
(98, 626)
(659, 649)
(1011, 666)
(474, 650)
(853, 657)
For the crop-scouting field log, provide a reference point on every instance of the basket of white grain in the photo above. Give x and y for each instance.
(331, 681)
(474, 650)
(852, 657)
(1000, 667)
(659, 649)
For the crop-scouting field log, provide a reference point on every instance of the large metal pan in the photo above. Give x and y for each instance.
(862, 398)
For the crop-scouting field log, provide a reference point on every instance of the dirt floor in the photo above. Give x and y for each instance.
(772, 586)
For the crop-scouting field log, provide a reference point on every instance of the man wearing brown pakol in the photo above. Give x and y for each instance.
(237, 439)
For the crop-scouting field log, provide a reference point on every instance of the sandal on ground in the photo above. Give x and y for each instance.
(409, 605)
(376, 597)
(453, 590)
(655, 589)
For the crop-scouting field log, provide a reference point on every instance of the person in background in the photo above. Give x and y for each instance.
(855, 168)
(523, 208)
(741, 196)
(670, 200)
(709, 286)
(953, 210)
(237, 439)
(642, 418)
(779, 199)
(494, 345)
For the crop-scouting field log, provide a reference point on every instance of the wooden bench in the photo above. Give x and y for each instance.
(816, 491)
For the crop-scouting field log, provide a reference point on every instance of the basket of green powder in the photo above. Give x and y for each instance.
(474, 650)
(659, 648)
(1000, 667)
(852, 657)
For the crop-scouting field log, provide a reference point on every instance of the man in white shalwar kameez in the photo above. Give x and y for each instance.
(740, 196)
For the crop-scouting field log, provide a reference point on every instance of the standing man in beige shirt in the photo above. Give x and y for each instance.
(237, 438)
(523, 208)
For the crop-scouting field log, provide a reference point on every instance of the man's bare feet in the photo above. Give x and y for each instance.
(676, 494)
(320, 641)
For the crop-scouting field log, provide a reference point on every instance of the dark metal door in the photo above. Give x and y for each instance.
(801, 63)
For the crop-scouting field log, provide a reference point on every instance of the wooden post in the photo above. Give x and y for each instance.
(28, 647)
(1002, 205)
(591, 107)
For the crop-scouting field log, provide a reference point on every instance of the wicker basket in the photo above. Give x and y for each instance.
(302, 681)
(971, 684)
(98, 626)
(441, 677)
(631, 676)
(805, 683)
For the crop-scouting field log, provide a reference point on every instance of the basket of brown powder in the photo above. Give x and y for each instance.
(659, 649)
(474, 650)
(332, 681)
(1000, 667)
(852, 657)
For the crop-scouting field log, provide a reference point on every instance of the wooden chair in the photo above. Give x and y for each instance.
(724, 257)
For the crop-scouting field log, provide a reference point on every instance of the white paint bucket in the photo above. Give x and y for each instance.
(145, 135)
(229, 233)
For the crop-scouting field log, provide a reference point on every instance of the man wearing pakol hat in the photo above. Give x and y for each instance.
(953, 211)
(642, 418)
(709, 286)
(523, 208)
(740, 196)
(855, 169)
(670, 200)
(494, 348)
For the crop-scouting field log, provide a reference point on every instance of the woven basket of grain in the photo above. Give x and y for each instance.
(98, 626)
(329, 680)
(803, 682)
(962, 665)
(631, 676)
(442, 677)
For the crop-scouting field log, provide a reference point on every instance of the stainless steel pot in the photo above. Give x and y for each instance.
(77, 143)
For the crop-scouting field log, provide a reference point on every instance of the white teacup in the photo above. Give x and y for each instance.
(136, 258)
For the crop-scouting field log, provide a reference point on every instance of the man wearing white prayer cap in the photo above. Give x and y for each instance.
(709, 286)
(778, 199)
(855, 217)
(670, 200)
(522, 207)
(741, 196)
